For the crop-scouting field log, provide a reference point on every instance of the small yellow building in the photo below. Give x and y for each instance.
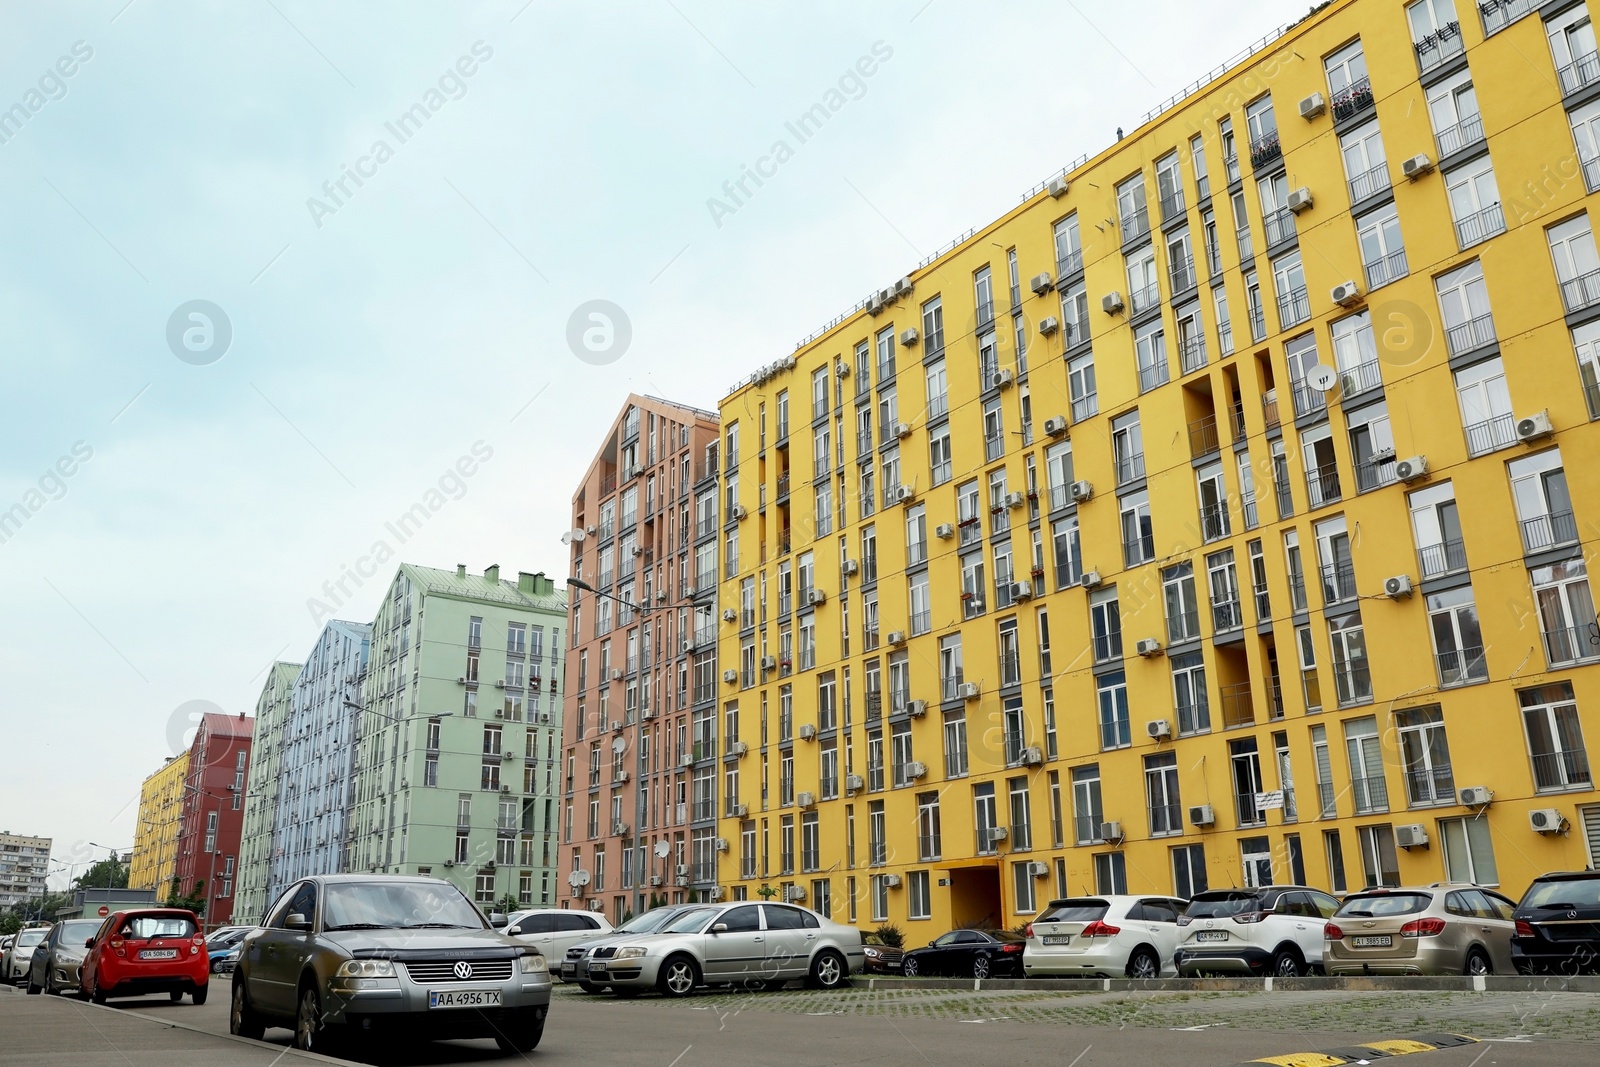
(1206, 520)
(155, 841)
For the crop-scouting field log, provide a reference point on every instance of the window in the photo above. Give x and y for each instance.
(1457, 639)
(919, 901)
(1222, 578)
(1182, 608)
(955, 744)
(1572, 47)
(1131, 209)
(1486, 416)
(1189, 693)
(1349, 91)
(984, 818)
(1191, 338)
(1189, 871)
(1365, 167)
(1586, 344)
(929, 845)
(1371, 446)
(1219, 299)
(972, 585)
(1144, 291)
(1577, 264)
(983, 295)
(1068, 552)
(1301, 354)
(1555, 737)
(1367, 784)
(1255, 859)
(1468, 851)
(1464, 306)
(1069, 250)
(939, 455)
(1169, 187)
(1021, 814)
(1544, 506)
(1289, 282)
(1150, 353)
(1474, 202)
(880, 898)
(1351, 675)
(885, 345)
(1161, 794)
(1214, 521)
(1110, 873)
(1586, 136)
(1105, 624)
(1112, 695)
(1138, 536)
(1379, 864)
(1383, 252)
(1081, 387)
(1087, 813)
(1566, 611)
(1436, 526)
(1322, 468)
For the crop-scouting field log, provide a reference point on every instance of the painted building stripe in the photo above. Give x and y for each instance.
(1375, 1050)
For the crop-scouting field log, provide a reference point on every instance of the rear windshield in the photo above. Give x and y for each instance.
(30, 937)
(1221, 905)
(1570, 893)
(1382, 904)
(1075, 911)
(144, 927)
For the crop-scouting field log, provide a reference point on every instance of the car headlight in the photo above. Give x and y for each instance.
(873, 953)
(629, 952)
(533, 963)
(366, 969)
(69, 960)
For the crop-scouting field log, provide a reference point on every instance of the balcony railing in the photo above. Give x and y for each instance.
(1322, 484)
(1166, 819)
(1447, 557)
(1150, 377)
(1258, 322)
(1371, 794)
(1360, 378)
(1294, 307)
(1492, 433)
(1473, 333)
(1249, 814)
(1480, 226)
(1374, 472)
(1464, 134)
(1265, 149)
(1172, 205)
(1071, 263)
(1203, 437)
(1581, 292)
(1549, 530)
(1181, 274)
(1230, 166)
(1561, 770)
(1353, 684)
(1498, 14)
(1227, 615)
(929, 848)
(1338, 583)
(1279, 225)
(1269, 409)
(1285, 499)
(1085, 406)
(985, 313)
(1135, 226)
(1369, 183)
(1352, 100)
(1143, 299)
(1386, 269)
(1246, 245)
(1129, 468)
(1214, 522)
(1430, 786)
(1462, 667)
(1439, 46)
(1580, 73)
(1591, 173)
(1238, 707)
(1141, 549)
(993, 448)
(1192, 353)
(1108, 646)
(1572, 644)
(1183, 626)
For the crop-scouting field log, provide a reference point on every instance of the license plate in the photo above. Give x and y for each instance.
(597, 972)
(463, 998)
(1375, 941)
(1211, 935)
(1058, 939)
(569, 970)
(158, 954)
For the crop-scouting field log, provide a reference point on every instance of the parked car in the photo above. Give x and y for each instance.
(729, 944)
(960, 953)
(1558, 925)
(1274, 929)
(14, 965)
(575, 964)
(1104, 937)
(341, 954)
(54, 965)
(146, 950)
(225, 961)
(1443, 928)
(553, 930)
(882, 957)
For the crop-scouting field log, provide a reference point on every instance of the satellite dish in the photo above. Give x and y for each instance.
(618, 744)
(663, 849)
(577, 878)
(1322, 377)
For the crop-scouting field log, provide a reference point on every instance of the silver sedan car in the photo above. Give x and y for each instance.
(55, 963)
(727, 944)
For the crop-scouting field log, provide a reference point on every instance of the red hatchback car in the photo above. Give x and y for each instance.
(151, 950)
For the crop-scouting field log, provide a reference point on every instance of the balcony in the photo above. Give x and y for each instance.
(994, 446)
(1085, 406)
(1263, 602)
(1591, 173)
(1464, 134)
(1172, 206)
(1183, 626)
(1247, 249)
(1294, 307)
(1238, 707)
(1279, 225)
(1338, 582)
(1141, 549)
(1203, 437)
(1258, 322)
(1581, 292)
(1371, 795)
(1129, 468)
(1440, 45)
(1579, 74)
(1070, 263)
(1249, 814)
(1165, 819)
(1374, 473)
(1322, 484)
(1493, 433)
(1498, 14)
(1192, 353)
(1230, 164)
(1352, 100)
(1181, 275)
(1447, 557)
(1145, 298)
(1269, 409)
(1480, 226)
(822, 465)
(1150, 377)
(985, 313)
(1462, 667)
(1572, 644)
(1386, 269)
(1248, 512)
(1135, 226)
(1226, 615)
(1561, 770)
(1549, 530)
(1264, 150)
(1428, 787)
(1353, 684)
(1369, 183)
(1214, 523)
(1108, 646)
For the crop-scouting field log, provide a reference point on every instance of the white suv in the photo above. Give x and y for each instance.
(1104, 937)
(554, 930)
(1273, 929)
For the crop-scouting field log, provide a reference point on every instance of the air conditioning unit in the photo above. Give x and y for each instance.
(1111, 303)
(1475, 796)
(1049, 325)
(738, 748)
(730, 676)
(505, 789)
(854, 783)
(1535, 427)
(720, 844)
(968, 691)
(1547, 820)
(1001, 379)
(661, 595)
(769, 663)
(891, 881)
(690, 590)
(1416, 167)
(1411, 468)
(1111, 831)
(794, 892)
(874, 303)
(656, 879)
(998, 833)
(842, 369)
(916, 708)
(850, 568)
(1021, 590)
(1160, 729)
(638, 550)
(1148, 646)
(806, 800)
(901, 287)
(916, 769)
(1082, 491)
(816, 596)
(688, 644)
(808, 731)
(616, 674)
(1057, 187)
(1032, 756)
(739, 511)
(1041, 283)
(686, 760)
(1397, 587)
(944, 531)
(908, 338)
(896, 638)
(1202, 815)
(1346, 294)
(1312, 106)
(647, 713)
(1299, 200)
(452, 863)
(1055, 426)
(619, 829)
(728, 614)
(682, 870)
(902, 430)
(1090, 580)
(590, 530)
(616, 726)
(739, 811)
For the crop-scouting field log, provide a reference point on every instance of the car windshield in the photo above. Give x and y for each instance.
(1075, 911)
(648, 923)
(690, 922)
(145, 927)
(1221, 905)
(1379, 905)
(30, 937)
(1570, 893)
(397, 906)
(76, 931)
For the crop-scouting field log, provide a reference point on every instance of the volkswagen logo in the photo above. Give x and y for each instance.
(463, 970)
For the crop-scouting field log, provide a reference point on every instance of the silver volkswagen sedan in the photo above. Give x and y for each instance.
(727, 944)
(341, 955)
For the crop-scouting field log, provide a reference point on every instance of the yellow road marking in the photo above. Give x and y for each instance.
(1400, 1046)
(1303, 1059)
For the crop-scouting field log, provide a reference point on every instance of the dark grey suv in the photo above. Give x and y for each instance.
(373, 954)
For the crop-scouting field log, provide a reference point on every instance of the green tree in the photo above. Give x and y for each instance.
(107, 874)
(10, 923)
(507, 904)
(194, 901)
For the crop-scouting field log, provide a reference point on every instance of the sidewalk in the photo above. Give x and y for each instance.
(40, 1031)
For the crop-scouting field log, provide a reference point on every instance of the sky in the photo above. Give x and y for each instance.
(272, 267)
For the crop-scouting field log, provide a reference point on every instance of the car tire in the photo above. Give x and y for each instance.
(199, 994)
(980, 966)
(1478, 963)
(590, 987)
(1144, 964)
(679, 976)
(829, 970)
(1286, 963)
(242, 1019)
(910, 967)
(34, 990)
(520, 1037)
(309, 1033)
(97, 994)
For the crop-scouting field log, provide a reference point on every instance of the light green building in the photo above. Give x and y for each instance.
(460, 732)
(260, 802)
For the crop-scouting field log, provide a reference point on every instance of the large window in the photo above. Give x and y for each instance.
(1087, 811)
(1544, 506)
(1430, 780)
(1475, 202)
(1566, 611)
(1457, 638)
(1112, 696)
(1555, 738)
(1161, 794)
(1468, 851)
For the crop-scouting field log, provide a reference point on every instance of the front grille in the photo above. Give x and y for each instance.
(576, 953)
(445, 971)
(605, 953)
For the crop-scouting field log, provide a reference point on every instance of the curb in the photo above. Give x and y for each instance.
(134, 1013)
(1459, 984)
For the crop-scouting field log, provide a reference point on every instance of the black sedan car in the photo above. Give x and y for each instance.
(968, 953)
(1558, 925)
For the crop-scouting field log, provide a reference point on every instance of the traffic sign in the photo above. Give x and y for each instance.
(104, 911)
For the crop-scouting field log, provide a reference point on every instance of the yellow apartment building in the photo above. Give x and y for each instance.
(1204, 521)
(155, 840)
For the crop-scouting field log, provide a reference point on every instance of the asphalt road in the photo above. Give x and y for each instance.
(962, 1028)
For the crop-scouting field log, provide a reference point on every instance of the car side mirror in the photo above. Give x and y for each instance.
(497, 919)
(719, 928)
(297, 922)
(89, 943)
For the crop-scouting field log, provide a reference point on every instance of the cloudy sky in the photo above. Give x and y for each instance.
(383, 294)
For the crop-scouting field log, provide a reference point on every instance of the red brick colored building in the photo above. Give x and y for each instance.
(213, 813)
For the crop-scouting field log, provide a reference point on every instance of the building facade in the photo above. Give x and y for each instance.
(256, 839)
(155, 839)
(24, 866)
(212, 813)
(459, 733)
(640, 703)
(316, 771)
(1135, 555)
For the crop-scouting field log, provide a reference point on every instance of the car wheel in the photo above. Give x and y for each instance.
(590, 987)
(910, 968)
(829, 970)
(520, 1037)
(242, 1019)
(679, 976)
(199, 994)
(1478, 963)
(1144, 964)
(1286, 964)
(980, 967)
(97, 994)
(34, 990)
(309, 1033)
